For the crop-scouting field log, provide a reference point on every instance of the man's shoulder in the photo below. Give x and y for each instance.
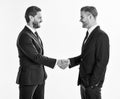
(100, 33)
(25, 34)
(25, 31)
(102, 37)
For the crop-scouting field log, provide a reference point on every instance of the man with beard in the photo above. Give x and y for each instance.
(31, 76)
(94, 56)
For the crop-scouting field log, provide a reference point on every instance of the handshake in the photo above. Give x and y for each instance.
(63, 63)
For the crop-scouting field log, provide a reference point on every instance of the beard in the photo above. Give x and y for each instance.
(36, 25)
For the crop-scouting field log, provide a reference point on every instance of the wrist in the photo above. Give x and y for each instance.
(68, 61)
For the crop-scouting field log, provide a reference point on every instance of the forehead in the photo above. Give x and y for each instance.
(38, 14)
(83, 13)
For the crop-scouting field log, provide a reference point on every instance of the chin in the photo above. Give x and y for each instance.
(36, 25)
(83, 26)
(39, 26)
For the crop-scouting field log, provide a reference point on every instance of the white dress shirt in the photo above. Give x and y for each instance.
(33, 30)
(90, 31)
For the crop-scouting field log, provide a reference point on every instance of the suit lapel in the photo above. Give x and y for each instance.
(90, 38)
(39, 40)
(36, 39)
(40, 43)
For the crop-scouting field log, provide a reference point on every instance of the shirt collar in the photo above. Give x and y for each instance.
(31, 29)
(91, 29)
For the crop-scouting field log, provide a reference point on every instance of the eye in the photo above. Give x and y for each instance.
(40, 17)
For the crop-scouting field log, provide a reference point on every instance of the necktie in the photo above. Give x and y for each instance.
(87, 33)
(36, 34)
(85, 39)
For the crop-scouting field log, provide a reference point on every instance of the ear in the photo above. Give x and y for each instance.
(31, 17)
(91, 16)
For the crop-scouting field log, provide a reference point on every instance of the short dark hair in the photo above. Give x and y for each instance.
(32, 10)
(90, 9)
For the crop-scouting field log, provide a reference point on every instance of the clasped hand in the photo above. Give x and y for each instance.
(63, 63)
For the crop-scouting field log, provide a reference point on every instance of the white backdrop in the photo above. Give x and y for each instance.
(62, 35)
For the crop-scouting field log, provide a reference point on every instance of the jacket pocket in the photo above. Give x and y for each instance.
(85, 81)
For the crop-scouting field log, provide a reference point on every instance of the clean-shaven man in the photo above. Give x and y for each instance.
(94, 56)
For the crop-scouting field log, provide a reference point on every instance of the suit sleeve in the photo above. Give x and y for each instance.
(102, 57)
(74, 61)
(28, 48)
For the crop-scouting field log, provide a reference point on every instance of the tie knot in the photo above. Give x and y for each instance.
(36, 34)
(87, 33)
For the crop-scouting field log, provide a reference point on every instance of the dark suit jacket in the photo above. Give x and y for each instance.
(32, 61)
(93, 59)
